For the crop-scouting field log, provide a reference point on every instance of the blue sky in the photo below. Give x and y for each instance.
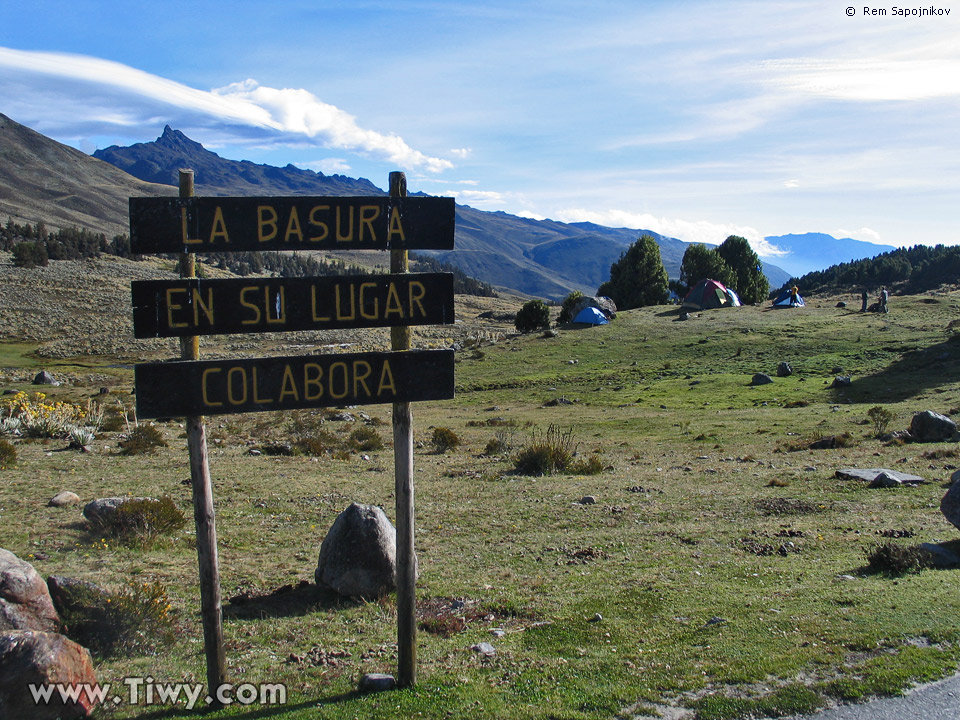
(694, 119)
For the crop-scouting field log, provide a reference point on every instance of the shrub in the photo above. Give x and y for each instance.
(566, 309)
(30, 255)
(146, 519)
(8, 454)
(534, 315)
(546, 454)
(444, 439)
(38, 417)
(365, 439)
(880, 417)
(593, 465)
(320, 442)
(497, 445)
(143, 439)
(894, 559)
(136, 617)
(80, 437)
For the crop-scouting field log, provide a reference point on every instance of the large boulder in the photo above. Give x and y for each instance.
(928, 426)
(28, 658)
(358, 557)
(950, 504)
(102, 511)
(45, 378)
(25, 603)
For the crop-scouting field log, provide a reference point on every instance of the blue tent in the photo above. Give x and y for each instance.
(591, 316)
(784, 300)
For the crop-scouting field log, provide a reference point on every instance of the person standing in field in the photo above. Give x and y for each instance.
(863, 300)
(884, 296)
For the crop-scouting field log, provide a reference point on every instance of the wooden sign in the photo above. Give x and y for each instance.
(221, 387)
(212, 224)
(182, 308)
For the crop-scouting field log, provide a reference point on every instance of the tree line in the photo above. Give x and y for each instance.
(638, 278)
(914, 270)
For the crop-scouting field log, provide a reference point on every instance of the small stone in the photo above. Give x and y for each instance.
(761, 379)
(485, 649)
(597, 617)
(498, 632)
(64, 498)
(588, 500)
(376, 682)
(885, 480)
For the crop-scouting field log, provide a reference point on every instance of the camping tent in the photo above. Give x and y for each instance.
(708, 294)
(591, 316)
(783, 300)
(602, 303)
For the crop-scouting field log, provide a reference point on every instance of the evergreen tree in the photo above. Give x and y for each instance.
(702, 263)
(750, 283)
(638, 278)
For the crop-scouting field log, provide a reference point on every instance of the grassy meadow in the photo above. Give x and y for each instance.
(720, 572)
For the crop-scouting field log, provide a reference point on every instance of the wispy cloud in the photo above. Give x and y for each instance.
(868, 80)
(700, 231)
(103, 97)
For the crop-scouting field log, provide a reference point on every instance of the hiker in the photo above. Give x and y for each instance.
(884, 296)
(863, 300)
(794, 291)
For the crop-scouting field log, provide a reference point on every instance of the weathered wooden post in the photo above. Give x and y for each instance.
(210, 604)
(403, 468)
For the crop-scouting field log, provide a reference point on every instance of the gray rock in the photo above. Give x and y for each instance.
(69, 594)
(870, 474)
(485, 649)
(64, 498)
(950, 504)
(102, 510)
(358, 557)
(588, 500)
(761, 379)
(784, 370)
(942, 557)
(885, 480)
(38, 658)
(25, 602)
(841, 381)
(45, 378)
(376, 682)
(928, 426)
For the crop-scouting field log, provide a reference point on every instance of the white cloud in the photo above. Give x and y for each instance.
(865, 234)
(701, 231)
(476, 197)
(100, 97)
(462, 153)
(328, 166)
(867, 80)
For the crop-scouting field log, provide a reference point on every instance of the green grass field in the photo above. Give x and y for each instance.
(720, 570)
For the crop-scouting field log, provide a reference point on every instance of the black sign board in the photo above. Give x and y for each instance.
(233, 224)
(221, 387)
(181, 308)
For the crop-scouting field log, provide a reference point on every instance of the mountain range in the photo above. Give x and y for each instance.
(41, 179)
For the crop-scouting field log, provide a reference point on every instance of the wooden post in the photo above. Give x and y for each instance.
(203, 515)
(403, 469)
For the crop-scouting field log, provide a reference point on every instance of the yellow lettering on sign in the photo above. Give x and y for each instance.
(172, 306)
(187, 240)
(256, 388)
(199, 305)
(348, 235)
(369, 315)
(368, 213)
(313, 306)
(386, 380)
(324, 230)
(231, 397)
(393, 302)
(396, 227)
(293, 226)
(344, 386)
(288, 386)
(266, 223)
(207, 402)
(361, 371)
(255, 320)
(415, 293)
(312, 375)
(219, 229)
(337, 303)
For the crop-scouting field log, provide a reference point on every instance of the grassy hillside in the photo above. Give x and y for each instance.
(720, 570)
